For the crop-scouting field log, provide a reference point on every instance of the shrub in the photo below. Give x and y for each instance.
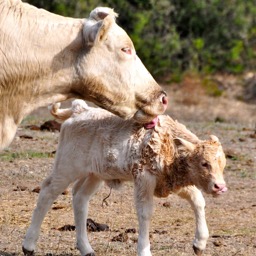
(179, 35)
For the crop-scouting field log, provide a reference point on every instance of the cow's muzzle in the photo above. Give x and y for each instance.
(150, 109)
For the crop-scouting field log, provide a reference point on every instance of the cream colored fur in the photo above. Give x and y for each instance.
(96, 146)
(46, 58)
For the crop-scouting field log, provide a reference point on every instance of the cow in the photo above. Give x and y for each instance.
(47, 58)
(96, 146)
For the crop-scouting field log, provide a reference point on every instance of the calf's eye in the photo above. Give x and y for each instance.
(127, 50)
(205, 164)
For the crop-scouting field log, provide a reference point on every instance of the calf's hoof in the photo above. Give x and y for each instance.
(27, 252)
(90, 254)
(197, 251)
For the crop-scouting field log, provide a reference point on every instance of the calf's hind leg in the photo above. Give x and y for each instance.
(51, 188)
(83, 191)
(143, 195)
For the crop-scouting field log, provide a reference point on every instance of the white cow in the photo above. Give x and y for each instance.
(96, 146)
(47, 58)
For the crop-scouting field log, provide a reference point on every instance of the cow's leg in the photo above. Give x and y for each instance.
(51, 188)
(194, 196)
(144, 192)
(83, 191)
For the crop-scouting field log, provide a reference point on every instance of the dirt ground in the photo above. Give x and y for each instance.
(231, 218)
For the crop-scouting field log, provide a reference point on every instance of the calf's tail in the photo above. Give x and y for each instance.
(78, 106)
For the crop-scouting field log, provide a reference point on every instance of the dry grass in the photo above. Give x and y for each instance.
(231, 218)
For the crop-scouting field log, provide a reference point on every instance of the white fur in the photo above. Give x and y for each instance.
(96, 146)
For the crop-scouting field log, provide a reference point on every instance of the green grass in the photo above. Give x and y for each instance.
(11, 156)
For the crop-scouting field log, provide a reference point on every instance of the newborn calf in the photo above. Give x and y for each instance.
(96, 146)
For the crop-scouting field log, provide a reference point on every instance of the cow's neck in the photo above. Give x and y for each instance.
(7, 131)
(41, 58)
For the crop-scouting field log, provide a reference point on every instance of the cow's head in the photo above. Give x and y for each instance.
(205, 163)
(111, 74)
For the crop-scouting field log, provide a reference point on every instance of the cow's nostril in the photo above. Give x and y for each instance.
(164, 100)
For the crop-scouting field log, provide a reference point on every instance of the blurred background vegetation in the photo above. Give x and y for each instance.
(175, 36)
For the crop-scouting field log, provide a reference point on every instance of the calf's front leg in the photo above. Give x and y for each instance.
(144, 192)
(194, 196)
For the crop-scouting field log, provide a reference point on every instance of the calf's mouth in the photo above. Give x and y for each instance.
(219, 189)
(151, 124)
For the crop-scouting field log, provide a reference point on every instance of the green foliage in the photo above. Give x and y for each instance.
(179, 35)
(211, 87)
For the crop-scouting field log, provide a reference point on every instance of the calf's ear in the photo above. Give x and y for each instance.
(214, 138)
(97, 26)
(179, 142)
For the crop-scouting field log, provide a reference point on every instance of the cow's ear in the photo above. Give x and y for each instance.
(98, 25)
(104, 28)
(94, 32)
(100, 13)
(179, 142)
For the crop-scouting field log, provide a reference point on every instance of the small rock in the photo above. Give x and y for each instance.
(122, 237)
(25, 136)
(67, 228)
(219, 119)
(33, 127)
(93, 226)
(134, 239)
(58, 207)
(51, 126)
(20, 188)
(130, 230)
(231, 154)
(217, 243)
(36, 189)
(167, 204)
(160, 232)
(253, 135)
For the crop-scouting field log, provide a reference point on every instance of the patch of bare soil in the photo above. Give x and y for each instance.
(231, 218)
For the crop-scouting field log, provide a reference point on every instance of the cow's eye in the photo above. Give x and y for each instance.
(127, 50)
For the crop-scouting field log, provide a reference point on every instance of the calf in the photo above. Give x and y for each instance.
(96, 146)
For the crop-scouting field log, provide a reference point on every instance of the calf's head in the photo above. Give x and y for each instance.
(111, 74)
(205, 163)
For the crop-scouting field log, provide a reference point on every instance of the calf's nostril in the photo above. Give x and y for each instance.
(220, 186)
(216, 186)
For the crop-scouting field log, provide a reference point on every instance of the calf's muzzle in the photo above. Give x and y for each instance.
(219, 188)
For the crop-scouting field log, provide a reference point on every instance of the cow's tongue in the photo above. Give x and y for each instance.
(151, 124)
